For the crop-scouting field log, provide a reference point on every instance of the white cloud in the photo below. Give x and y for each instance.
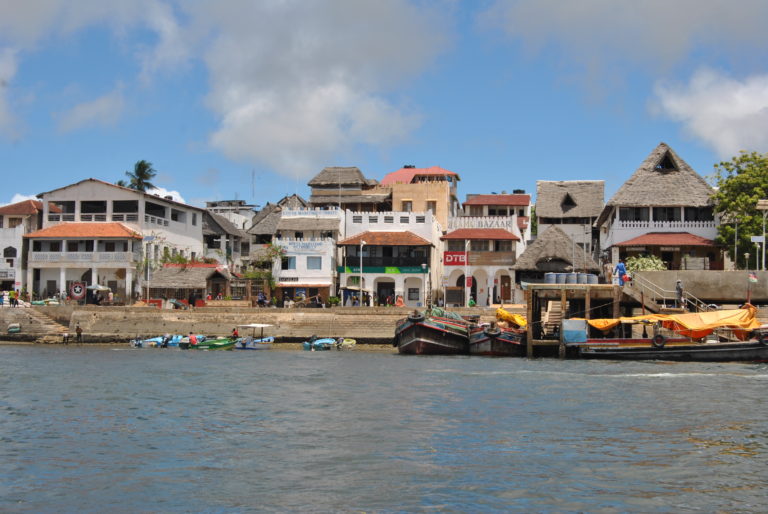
(603, 38)
(7, 72)
(175, 195)
(18, 197)
(295, 83)
(103, 111)
(727, 114)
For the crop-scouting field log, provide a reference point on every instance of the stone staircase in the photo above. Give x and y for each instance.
(32, 321)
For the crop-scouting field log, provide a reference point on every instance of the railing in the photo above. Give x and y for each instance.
(61, 217)
(666, 296)
(93, 217)
(125, 257)
(155, 220)
(665, 224)
(125, 217)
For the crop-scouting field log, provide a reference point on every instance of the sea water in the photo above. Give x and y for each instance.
(110, 429)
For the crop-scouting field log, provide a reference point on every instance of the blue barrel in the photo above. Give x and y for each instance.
(591, 279)
(570, 278)
(550, 278)
(582, 278)
(560, 278)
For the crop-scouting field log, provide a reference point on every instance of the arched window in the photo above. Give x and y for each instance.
(9, 252)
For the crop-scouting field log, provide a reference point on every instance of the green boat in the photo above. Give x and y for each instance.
(222, 343)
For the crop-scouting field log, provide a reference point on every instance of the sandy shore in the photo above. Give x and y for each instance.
(288, 347)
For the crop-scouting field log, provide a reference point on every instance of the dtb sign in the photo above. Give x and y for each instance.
(454, 258)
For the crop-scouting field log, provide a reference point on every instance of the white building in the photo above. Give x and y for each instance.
(237, 212)
(97, 232)
(399, 253)
(664, 209)
(16, 220)
(308, 265)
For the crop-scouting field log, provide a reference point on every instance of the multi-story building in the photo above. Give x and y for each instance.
(664, 209)
(347, 188)
(390, 254)
(425, 190)
(16, 220)
(307, 239)
(573, 206)
(97, 232)
(237, 212)
(223, 241)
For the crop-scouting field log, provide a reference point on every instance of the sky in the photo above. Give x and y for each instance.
(238, 99)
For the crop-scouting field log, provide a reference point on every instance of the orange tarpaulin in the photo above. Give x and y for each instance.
(694, 325)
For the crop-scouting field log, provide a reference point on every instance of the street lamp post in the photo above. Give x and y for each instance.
(466, 273)
(762, 205)
(424, 280)
(362, 243)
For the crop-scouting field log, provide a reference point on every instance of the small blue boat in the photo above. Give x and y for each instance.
(252, 342)
(317, 345)
(165, 341)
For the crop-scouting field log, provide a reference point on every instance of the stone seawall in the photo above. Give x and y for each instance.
(120, 324)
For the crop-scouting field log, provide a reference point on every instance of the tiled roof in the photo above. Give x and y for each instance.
(513, 200)
(668, 239)
(404, 238)
(86, 230)
(406, 175)
(25, 208)
(495, 234)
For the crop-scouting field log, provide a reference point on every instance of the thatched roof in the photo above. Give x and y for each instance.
(569, 198)
(554, 244)
(662, 180)
(340, 176)
(347, 199)
(185, 278)
(266, 220)
(308, 223)
(215, 224)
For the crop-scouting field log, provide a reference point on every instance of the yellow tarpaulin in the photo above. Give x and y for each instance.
(695, 325)
(517, 319)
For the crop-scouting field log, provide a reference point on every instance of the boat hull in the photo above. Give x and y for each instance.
(264, 343)
(499, 343)
(216, 344)
(750, 351)
(432, 336)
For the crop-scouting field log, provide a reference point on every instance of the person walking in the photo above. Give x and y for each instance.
(679, 294)
(79, 332)
(620, 271)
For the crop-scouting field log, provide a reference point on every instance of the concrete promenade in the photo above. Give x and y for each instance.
(373, 325)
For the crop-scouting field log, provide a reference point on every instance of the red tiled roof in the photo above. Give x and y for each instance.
(406, 175)
(404, 238)
(515, 200)
(86, 230)
(667, 239)
(495, 234)
(25, 208)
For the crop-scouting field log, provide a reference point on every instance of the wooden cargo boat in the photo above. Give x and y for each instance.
(495, 341)
(432, 332)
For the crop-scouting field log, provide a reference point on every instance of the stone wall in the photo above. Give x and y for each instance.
(712, 286)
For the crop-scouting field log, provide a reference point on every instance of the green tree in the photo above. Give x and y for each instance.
(740, 183)
(141, 176)
(121, 183)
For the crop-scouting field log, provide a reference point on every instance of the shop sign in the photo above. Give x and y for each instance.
(454, 258)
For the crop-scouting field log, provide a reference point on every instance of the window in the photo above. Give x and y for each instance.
(125, 206)
(633, 213)
(389, 219)
(288, 263)
(178, 216)
(475, 210)
(413, 293)
(373, 219)
(194, 218)
(455, 245)
(1, 221)
(421, 219)
(666, 213)
(14, 222)
(407, 206)
(432, 206)
(37, 246)
(698, 214)
(298, 235)
(9, 251)
(54, 246)
(404, 219)
(478, 246)
(503, 246)
(314, 262)
(326, 234)
(521, 212)
(72, 246)
(89, 245)
(109, 246)
(357, 219)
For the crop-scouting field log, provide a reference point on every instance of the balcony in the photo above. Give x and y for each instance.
(666, 225)
(82, 257)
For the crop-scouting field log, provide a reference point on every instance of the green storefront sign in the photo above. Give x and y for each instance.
(382, 269)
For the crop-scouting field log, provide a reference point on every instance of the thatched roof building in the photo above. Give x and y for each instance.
(265, 221)
(663, 179)
(346, 187)
(554, 251)
(556, 200)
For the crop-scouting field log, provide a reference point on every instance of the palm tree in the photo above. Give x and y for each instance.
(142, 173)
(121, 183)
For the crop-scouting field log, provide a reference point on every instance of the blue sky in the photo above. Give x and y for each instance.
(502, 92)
